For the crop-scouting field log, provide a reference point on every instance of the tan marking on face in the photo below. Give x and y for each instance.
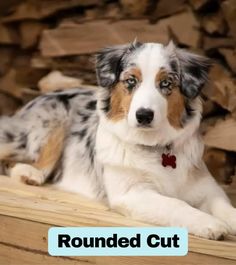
(175, 100)
(120, 102)
(121, 97)
(135, 71)
(162, 74)
(176, 107)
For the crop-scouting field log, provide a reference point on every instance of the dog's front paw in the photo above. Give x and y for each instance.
(27, 174)
(210, 227)
(230, 219)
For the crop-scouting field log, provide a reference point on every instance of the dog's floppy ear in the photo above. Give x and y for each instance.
(193, 70)
(109, 62)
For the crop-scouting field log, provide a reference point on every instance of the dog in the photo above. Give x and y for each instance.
(133, 142)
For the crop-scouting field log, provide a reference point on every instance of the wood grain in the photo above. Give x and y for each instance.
(221, 135)
(33, 249)
(63, 40)
(32, 210)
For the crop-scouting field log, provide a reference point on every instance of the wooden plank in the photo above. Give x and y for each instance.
(33, 248)
(57, 208)
(12, 255)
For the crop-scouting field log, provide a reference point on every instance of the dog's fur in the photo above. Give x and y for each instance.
(90, 141)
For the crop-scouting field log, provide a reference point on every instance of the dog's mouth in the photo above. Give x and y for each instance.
(145, 128)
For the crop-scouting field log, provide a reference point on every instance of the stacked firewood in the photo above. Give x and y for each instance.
(48, 44)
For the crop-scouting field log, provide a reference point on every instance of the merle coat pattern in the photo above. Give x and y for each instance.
(108, 144)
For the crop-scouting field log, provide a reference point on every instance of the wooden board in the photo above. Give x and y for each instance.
(14, 250)
(31, 211)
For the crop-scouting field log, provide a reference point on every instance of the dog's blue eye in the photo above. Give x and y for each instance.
(165, 83)
(131, 82)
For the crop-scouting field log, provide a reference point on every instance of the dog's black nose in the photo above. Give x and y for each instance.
(144, 116)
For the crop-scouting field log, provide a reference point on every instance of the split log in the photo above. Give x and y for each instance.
(6, 6)
(64, 40)
(6, 59)
(222, 135)
(134, 8)
(9, 84)
(56, 80)
(109, 11)
(30, 32)
(221, 88)
(185, 28)
(163, 8)
(230, 57)
(214, 23)
(198, 4)
(29, 94)
(8, 35)
(229, 10)
(8, 104)
(209, 123)
(16, 79)
(216, 42)
(219, 165)
(209, 108)
(41, 9)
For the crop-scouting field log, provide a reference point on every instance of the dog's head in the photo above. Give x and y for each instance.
(150, 85)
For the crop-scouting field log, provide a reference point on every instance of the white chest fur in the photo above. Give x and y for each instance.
(144, 164)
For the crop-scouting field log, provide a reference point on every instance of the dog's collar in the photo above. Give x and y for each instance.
(167, 156)
(158, 148)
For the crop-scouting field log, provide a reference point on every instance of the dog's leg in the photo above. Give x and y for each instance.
(13, 139)
(140, 200)
(36, 173)
(213, 199)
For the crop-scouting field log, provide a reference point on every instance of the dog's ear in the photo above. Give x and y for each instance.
(193, 70)
(109, 62)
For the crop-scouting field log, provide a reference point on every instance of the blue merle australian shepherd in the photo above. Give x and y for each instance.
(133, 142)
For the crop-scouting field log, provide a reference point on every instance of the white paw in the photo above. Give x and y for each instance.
(210, 227)
(27, 174)
(230, 219)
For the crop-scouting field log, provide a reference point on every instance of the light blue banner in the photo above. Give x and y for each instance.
(117, 241)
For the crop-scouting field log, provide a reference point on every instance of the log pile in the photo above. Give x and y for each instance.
(48, 44)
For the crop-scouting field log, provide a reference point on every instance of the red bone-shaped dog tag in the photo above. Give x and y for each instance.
(168, 160)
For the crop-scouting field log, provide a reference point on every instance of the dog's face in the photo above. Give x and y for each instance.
(150, 85)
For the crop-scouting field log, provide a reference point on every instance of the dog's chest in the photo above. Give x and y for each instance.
(167, 176)
(167, 170)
